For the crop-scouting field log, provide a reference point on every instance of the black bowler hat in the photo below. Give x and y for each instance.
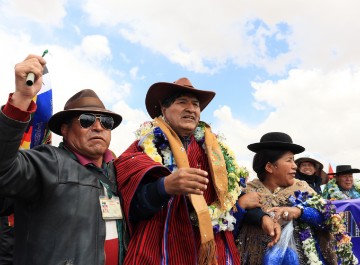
(344, 169)
(276, 141)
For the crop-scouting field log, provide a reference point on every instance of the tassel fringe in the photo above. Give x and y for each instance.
(207, 253)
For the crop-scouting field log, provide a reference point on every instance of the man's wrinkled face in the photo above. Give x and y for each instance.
(91, 142)
(345, 181)
(183, 114)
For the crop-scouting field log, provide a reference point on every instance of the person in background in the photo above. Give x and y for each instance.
(310, 170)
(342, 187)
(180, 185)
(58, 191)
(277, 186)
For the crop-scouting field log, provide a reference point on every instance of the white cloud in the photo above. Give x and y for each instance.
(12, 51)
(133, 72)
(95, 47)
(49, 13)
(319, 110)
(320, 34)
(124, 135)
(71, 72)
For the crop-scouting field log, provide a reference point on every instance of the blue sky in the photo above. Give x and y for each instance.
(275, 66)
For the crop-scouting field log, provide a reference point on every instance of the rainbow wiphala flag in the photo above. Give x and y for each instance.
(37, 131)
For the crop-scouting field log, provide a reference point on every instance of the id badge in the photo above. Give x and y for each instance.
(110, 208)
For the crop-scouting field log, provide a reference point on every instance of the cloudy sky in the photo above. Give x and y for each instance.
(276, 65)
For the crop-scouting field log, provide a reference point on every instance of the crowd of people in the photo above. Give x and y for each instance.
(176, 195)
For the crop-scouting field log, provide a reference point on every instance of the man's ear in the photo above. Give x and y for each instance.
(269, 167)
(162, 110)
(64, 129)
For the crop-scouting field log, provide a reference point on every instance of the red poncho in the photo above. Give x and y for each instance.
(168, 237)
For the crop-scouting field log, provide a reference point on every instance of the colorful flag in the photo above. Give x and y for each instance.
(37, 131)
(330, 172)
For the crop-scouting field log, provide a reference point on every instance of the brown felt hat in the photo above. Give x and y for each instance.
(316, 163)
(162, 90)
(85, 101)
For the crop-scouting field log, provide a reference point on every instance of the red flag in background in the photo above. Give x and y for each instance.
(330, 172)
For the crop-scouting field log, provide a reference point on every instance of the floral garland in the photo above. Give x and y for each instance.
(333, 222)
(308, 245)
(156, 146)
(333, 192)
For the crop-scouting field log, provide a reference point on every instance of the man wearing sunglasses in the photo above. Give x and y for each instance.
(67, 209)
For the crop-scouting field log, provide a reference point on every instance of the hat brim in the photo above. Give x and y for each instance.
(350, 171)
(324, 177)
(318, 165)
(294, 148)
(61, 117)
(159, 91)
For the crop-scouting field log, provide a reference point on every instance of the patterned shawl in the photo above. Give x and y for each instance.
(252, 241)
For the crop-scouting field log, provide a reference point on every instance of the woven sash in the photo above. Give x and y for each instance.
(217, 165)
(207, 252)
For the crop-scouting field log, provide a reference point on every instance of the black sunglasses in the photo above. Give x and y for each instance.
(88, 119)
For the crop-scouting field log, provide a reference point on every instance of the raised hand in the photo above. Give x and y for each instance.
(23, 93)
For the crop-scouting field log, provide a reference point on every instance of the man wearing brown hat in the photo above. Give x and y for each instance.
(180, 184)
(59, 191)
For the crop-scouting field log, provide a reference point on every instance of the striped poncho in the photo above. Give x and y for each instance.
(168, 237)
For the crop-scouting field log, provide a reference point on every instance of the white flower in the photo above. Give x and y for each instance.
(223, 227)
(357, 185)
(313, 257)
(167, 157)
(310, 251)
(215, 213)
(229, 218)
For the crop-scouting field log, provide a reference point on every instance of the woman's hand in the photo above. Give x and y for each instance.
(272, 229)
(249, 200)
(284, 213)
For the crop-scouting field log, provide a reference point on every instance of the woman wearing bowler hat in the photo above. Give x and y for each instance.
(278, 189)
(342, 186)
